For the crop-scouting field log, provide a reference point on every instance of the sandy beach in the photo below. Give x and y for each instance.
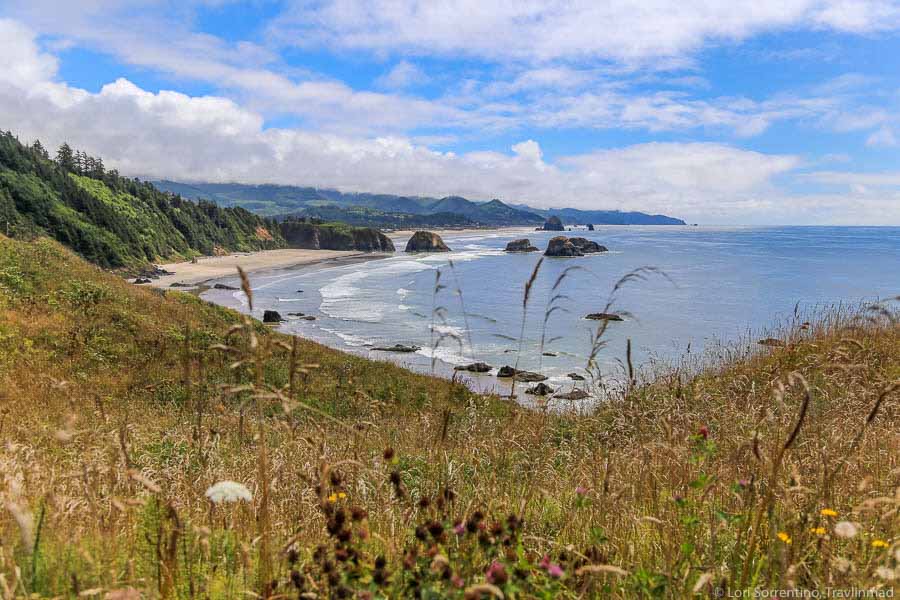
(215, 267)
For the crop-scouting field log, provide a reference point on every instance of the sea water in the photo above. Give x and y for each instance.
(696, 292)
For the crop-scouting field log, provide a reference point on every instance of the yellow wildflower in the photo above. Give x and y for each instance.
(342, 495)
(818, 530)
(784, 537)
(333, 498)
(879, 544)
(827, 512)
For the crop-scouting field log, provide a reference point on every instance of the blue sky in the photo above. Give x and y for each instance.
(768, 113)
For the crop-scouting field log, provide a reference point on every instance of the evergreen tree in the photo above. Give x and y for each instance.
(65, 158)
(39, 149)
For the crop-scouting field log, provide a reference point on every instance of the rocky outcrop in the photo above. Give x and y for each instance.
(601, 316)
(426, 241)
(541, 389)
(553, 224)
(575, 377)
(476, 367)
(398, 348)
(587, 246)
(562, 246)
(272, 316)
(141, 280)
(518, 375)
(334, 236)
(222, 286)
(523, 245)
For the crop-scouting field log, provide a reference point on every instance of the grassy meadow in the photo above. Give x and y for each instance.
(121, 406)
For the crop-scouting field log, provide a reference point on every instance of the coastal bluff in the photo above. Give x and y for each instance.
(334, 236)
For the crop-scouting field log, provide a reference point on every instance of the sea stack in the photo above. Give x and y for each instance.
(523, 245)
(587, 246)
(562, 246)
(426, 241)
(553, 224)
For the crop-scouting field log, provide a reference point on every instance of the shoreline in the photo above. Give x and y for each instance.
(209, 268)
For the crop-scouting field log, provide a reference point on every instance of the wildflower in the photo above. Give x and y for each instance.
(818, 530)
(581, 490)
(744, 483)
(703, 432)
(496, 573)
(459, 529)
(457, 581)
(842, 564)
(228, 491)
(334, 497)
(886, 573)
(553, 569)
(879, 544)
(827, 512)
(784, 537)
(845, 529)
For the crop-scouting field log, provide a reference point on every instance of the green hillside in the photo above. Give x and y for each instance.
(112, 220)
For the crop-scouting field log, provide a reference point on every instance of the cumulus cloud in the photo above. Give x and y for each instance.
(620, 30)
(169, 134)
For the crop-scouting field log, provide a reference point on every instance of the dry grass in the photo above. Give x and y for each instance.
(121, 406)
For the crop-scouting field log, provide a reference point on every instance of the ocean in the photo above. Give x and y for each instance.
(699, 293)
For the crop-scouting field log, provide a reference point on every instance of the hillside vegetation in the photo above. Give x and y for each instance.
(111, 220)
(121, 406)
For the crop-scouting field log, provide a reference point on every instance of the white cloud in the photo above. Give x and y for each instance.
(174, 135)
(541, 30)
(883, 137)
(851, 179)
(402, 75)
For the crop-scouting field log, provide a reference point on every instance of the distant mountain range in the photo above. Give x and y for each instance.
(392, 211)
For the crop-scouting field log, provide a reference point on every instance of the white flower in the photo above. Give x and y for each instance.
(885, 573)
(845, 529)
(842, 564)
(228, 491)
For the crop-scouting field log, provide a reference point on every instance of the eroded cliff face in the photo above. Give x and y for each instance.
(335, 237)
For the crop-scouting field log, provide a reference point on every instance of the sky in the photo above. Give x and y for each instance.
(767, 112)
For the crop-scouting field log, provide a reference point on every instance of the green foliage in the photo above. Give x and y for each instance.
(114, 221)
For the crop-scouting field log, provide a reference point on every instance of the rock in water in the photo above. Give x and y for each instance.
(476, 367)
(562, 246)
(272, 316)
(397, 348)
(523, 245)
(527, 376)
(426, 241)
(541, 389)
(575, 377)
(222, 286)
(553, 224)
(604, 317)
(573, 395)
(590, 227)
(141, 280)
(587, 246)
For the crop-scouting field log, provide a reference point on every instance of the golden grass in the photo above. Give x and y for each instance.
(121, 406)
